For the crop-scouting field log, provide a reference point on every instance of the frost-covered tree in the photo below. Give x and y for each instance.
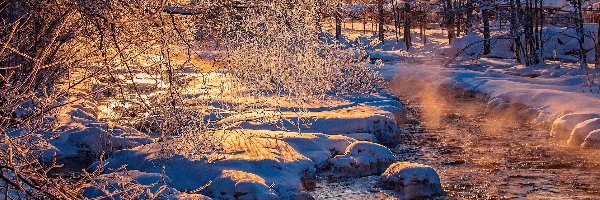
(53, 51)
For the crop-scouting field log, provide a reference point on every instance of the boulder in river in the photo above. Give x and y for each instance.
(412, 180)
(592, 140)
(582, 130)
(235, 184)
(362, 159)
(564, 125)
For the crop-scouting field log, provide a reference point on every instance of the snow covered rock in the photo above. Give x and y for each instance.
(362, 159)
(563, 126)
(528, 114)
(494, 102)
(412, 180)
(501, 108)
(348, 119)
(95, 140)
(582, 130)
(80, 142)
(592, 140)
(319, 147)
(233, 184)
(79, 134)
(249, 161)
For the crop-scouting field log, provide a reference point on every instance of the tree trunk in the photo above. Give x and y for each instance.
(581, 35)
(397, 22)
(514, 31)
(542, 21)
(450, 20)
(486, 31)
(338, 23)
(598, 46)
(365, 26)
(381, 23)
(318, 16)
(407, 18)
(469, 22)
(424, 30)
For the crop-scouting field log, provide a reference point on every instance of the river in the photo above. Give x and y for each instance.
(478, 154)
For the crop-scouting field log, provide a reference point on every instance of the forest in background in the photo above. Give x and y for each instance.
(60, 54)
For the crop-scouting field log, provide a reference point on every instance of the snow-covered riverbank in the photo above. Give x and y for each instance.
(558, 94)
(258, 158)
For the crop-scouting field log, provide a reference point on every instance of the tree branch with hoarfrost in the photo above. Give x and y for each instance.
(59, 57)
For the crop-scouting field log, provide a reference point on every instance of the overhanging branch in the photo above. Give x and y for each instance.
(199, 10)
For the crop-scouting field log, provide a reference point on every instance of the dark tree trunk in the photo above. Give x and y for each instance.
(598, 46)
(486, 31)
(338, 23)
(381, 23)
(450, 20)
(397, 22)
(365, 26)
(469, 22)
(514, 31)
(407, 19)
(581, 34)
(318, 16)
(541, 33)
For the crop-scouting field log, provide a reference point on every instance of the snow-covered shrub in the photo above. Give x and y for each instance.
(129, 185)
(412, 180)
(273, 50)
(134, 58)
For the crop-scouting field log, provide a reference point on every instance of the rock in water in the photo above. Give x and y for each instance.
(592, 140)
(362, 159)
(235, 184)
(582, 130)
(412, 180)
(564, 125)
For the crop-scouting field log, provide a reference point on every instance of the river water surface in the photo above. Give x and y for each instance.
(479, 155)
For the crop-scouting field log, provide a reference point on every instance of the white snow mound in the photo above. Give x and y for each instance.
(563, 126)
(592, 140)
(412, 180)
(362, 159)
(582, 130)
(233, 184)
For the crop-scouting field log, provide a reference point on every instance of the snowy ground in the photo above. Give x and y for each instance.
(558, 89)
(493, 128)
(266, 153)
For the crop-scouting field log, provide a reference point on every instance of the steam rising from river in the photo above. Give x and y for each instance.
(436, 101)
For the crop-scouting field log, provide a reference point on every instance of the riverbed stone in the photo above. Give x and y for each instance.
(592, 141)
(412, 180)
(362, 159)
(582, 130)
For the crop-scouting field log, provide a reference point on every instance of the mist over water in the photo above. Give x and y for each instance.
(483, 152)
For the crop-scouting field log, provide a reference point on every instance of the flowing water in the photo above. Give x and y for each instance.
(479, 155)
